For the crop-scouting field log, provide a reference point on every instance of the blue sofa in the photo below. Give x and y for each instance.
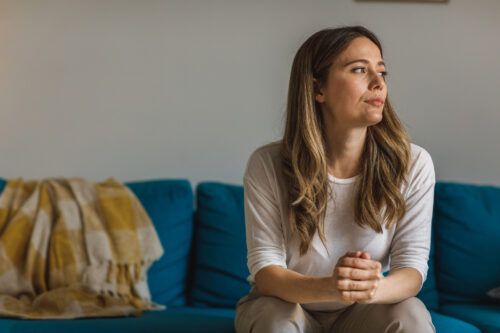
(203, 272)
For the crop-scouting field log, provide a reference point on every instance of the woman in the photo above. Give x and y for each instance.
(341, 198)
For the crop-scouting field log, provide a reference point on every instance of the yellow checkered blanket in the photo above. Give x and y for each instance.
(71, 248)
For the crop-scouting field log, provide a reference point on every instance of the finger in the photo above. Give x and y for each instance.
(356, 274)
(352, 254)
(347, 284)
(357, 295)
(365, 255)
(360, 263)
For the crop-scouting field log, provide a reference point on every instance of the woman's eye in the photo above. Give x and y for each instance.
(384, 73)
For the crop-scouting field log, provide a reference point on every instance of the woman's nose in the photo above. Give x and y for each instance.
(377, 81)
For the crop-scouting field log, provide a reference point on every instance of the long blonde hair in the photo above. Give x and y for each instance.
(386, 154)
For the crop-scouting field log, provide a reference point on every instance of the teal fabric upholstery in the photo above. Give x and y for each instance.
(176, 320)
(179, 320)
(467, 241)
(219, 277)
(486, 317)
(169, 204)
(447, 324)
(203, 271)
(429, 294)
(2, 184)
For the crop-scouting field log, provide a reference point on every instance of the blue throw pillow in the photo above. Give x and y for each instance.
(467, 241)
(220, 253)
(169, 204)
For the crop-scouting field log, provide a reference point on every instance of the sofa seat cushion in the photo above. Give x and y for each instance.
(182, 319)
(449, 324)
(484, 316)
(175, 320)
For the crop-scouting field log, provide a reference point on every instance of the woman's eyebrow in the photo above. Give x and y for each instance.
(363, 61)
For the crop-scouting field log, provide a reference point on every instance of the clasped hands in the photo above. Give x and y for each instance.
(356, 278)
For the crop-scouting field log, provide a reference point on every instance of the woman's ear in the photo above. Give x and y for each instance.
(318, 92)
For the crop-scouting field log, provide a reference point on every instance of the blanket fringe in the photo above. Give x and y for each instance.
(126, 272)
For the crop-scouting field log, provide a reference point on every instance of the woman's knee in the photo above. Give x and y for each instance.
(271, 314)
(411, 315)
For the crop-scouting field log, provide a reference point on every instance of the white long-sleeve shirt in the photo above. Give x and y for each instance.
(406, 244)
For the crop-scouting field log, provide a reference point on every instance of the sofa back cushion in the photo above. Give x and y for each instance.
(220, 270)
(169, 204)
(467, 241)
(3, 182)
(429, 294)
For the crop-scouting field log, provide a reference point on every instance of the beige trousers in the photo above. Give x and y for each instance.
(262, 314)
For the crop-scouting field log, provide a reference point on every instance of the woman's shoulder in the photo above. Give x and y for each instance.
(420, 158)
(270, 148)
(421, 169)
(419, 154)
(264, 159)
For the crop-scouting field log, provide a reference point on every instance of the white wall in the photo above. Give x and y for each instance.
(188, 89)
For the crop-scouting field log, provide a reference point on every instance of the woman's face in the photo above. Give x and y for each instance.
(353, 81)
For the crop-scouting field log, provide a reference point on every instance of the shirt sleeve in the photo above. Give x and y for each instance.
(264, 234)
(410, 245)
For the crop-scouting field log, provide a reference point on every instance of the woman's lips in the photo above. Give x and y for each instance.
(375, 102)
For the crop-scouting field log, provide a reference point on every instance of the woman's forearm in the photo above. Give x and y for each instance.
(297, 288)
(398, 286)
(294, 287)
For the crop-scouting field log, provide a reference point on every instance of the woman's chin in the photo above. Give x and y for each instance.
(374, 119)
